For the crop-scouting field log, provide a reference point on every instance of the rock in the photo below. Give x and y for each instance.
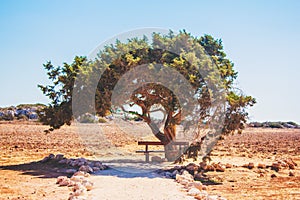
(71, 171)
(73, 163)
(250, 165)
(210, 168)
(213, 197)
(273, 176)
(219, 168)
(60, 179)
(275, 166)
(63, 161)
(291, 173)
(95, 169)
(193, 192)
(168, 175)
(78, 179)
(283, 164)
(184, 172)
(189, 185)
(179, 177)
(245, 165)
(79, 190)
(88, 185)
(228, 165)
(65, 182)
(59, 157)
(81, 173)
(177, 167)
(188, 176)
(203, 166)
(51, 156)
(46, 159)
(291, 164)
(192, 168)
(77, 198)
(184, 182)
(97, 164)
(80, 163)
(82, 160)
(202, 196)
(156, 159)
(261, 166)
(198, 185)
(174, 173)
(86, 168)
(198, 177)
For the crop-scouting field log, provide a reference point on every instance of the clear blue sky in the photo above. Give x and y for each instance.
(262, 38)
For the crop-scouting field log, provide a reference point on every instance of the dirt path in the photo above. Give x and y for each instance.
(139, 188)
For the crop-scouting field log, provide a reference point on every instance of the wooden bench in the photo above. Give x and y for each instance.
(181, 145)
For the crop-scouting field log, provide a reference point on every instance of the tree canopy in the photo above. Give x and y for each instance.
(189, 78)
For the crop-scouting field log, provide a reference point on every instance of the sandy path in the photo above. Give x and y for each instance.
(139, 188)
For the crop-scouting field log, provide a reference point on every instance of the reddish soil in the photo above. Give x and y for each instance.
(21, 144)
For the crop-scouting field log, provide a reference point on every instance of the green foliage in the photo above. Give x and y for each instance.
(23, 106)
(117, 59)
(102, 120)
(22, 117)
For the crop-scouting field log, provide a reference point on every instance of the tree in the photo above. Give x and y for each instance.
(154, 76)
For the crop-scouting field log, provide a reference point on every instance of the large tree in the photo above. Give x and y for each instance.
(190, 79)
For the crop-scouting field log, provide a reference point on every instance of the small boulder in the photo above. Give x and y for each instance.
(179, 178)
(219, 168)
(275, 166)
(210, 168)
(60, 179)
(59, 157)
(228, 165)
(72, 197)
(46, 159)
(174, 173)
(95, 169)
(86, 168)
(273, 176)
(78, 179)
(193, 192)
(63, 161)
(192, 168)
(261, 166)
(70, 171)
(51, 156)
(198, 185)
(97, 164)
(81, 173)
(64, 182)
(88, 185)
(203, 166)
(250, 165)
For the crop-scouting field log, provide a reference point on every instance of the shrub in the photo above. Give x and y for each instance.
(275, 125)
(102, 120)
(22, 117)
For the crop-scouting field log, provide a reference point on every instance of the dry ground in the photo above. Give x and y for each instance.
(21, 144)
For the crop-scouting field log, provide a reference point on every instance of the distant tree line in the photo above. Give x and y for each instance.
(274, 125)
(21, 112)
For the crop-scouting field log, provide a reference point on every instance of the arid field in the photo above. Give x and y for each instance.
(23, 143)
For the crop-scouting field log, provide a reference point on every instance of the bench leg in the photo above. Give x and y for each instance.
(147, 157)
(147, 154)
